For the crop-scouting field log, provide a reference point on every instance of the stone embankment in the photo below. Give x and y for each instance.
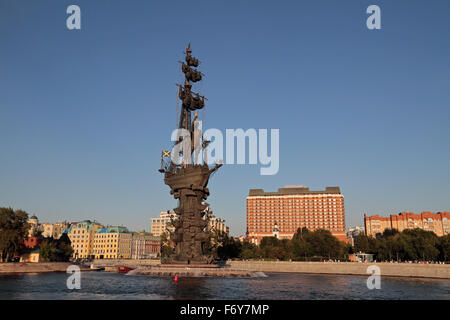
(25, 267)
(154, 268)
(195, 272)
(102, 263)
(436, 271)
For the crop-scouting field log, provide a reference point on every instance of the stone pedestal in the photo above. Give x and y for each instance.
(188, 185)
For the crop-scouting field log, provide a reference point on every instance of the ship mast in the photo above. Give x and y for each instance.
(190, 102)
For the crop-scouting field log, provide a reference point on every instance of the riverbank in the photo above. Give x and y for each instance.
(433, 271)
(40, 267)
(412, 270)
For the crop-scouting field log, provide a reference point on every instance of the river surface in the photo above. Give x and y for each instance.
(103, 285)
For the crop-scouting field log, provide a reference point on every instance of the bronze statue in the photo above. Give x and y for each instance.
(188, 181)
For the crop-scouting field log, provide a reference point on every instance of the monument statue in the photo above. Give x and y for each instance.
(188, 180)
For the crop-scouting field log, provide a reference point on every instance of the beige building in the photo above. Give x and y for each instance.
(112, 243)
(145, 246)
(218, 224)
(33, 221)
(81, 235)
(439, 222)
(54, 230)
(162, 223)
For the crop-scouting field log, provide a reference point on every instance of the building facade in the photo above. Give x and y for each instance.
(112, 243)
(281, 213)
(353, 232)
(218, 224)
(30, 255)
(436, 222)
(145, 246)
(54, 230)
(81, 235)
(161, 224)
(33, 221)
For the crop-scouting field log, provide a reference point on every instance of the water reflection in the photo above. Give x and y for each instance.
(101, 285)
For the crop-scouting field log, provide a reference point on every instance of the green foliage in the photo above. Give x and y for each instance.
(249, 251)
(13, 230)
(56, 249)
(37, 233)
(408, 245)
(365, 244)
(305, 245)
(228, 248)
(444, 248)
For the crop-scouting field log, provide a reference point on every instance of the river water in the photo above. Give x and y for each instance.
(102, 285)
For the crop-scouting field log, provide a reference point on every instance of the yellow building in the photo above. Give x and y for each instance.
(32, 255)
(112, 243)
(81, 235)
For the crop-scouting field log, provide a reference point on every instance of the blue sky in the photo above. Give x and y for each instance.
(85, 113)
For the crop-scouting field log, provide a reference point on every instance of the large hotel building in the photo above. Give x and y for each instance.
(281, 213)
(439, 222)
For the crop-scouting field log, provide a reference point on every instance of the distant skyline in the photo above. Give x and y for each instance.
(85, 113)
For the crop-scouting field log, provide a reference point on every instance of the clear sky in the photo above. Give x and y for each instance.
(85, 113)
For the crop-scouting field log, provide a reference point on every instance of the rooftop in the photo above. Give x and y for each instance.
(115, 229)
(294, 191)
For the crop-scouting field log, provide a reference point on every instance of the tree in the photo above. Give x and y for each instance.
(47, 251)
(267, 247)
(444, 247)
(424, 243)
(37, 233)
(323, 244)
(300, 232)
(365, 244)
(228, 248)
(56, 249)
(13, 230)
(300, 249)
(249, 251)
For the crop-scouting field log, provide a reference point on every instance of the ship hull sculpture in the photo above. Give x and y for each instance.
(188, 181)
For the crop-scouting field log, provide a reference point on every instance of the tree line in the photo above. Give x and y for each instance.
(408, 245)
(305, 245)
(14, 230)
(318, 245)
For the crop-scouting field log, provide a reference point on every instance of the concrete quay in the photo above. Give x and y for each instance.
(188, 272)
(434, 271)
(413, 270)
(40, 267)
(133, 263)
(156, 269)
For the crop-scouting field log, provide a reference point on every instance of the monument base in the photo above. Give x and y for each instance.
(194, 271)
(186, 265)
